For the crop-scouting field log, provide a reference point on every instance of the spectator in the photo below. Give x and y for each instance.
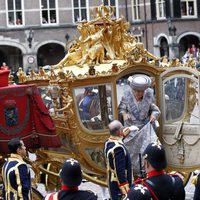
(193, 51)
(4, 66)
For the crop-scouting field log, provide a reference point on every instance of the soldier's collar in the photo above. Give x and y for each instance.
(65, 187)
(155, 173)
(15, 156)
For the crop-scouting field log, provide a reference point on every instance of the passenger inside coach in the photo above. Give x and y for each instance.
(88, 104)
(94, 106)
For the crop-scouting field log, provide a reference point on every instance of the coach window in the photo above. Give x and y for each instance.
(94, 106)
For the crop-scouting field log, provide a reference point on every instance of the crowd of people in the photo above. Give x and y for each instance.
(192, 52)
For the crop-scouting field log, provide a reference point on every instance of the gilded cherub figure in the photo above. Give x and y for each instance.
(21, 75)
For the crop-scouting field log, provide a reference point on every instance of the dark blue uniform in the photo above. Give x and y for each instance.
(164, 186)
(118, 166)
(71, 195)
(16, 179)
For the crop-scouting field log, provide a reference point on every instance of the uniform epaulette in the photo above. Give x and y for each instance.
(175, 174)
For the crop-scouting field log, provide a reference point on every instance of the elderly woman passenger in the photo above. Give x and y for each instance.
(138, 108)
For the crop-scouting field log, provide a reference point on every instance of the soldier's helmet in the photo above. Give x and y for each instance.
(139, 192)
(155, 155)
(139, 82)
(70, 173)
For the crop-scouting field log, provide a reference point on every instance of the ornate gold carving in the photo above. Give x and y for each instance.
(91, 70)
(21, 75)
(103, 39)
(190, 62)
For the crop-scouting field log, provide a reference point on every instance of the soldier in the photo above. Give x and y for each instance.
(71, 177)
(118, 161)
(15, 173)
(162, 186)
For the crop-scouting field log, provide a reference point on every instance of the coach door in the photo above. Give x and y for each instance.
(180, 134)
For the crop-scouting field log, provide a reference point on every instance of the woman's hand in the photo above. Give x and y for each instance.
(152, 118)
(126, 116)
(126, 131)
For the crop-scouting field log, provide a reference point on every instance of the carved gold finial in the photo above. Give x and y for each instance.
(33, 75)
(21, 75)
(91, 70)
(190, 62)
(52, 75)
(61, 73)
(42, 73)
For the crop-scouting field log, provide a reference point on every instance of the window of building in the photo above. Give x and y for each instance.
(164, 47)
(80, 10)
(49, 12)
(114, 4)
(15, 12)
(138, 38)
(135, 10)
(160, 7)
(188, 8)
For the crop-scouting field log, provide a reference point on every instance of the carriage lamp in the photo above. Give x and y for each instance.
(30, 38)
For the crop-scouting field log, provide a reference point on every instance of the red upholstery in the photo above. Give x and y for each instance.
(4, 77)
(32, 122)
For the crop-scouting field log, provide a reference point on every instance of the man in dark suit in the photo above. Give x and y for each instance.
(118, 161)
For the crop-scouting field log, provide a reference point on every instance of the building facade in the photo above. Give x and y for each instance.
(38, 33)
